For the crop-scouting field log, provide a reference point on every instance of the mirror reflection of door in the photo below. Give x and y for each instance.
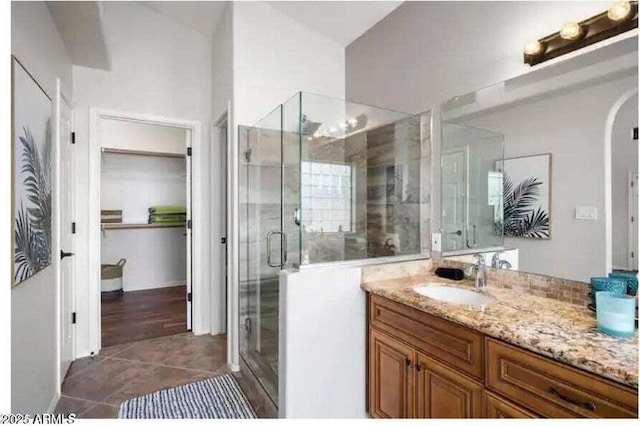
(624, 187)
(633, 223)
(454, 199)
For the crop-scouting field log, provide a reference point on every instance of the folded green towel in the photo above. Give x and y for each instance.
(168, 210)
(167, 218)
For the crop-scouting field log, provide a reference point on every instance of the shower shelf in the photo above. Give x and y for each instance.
(105, 226)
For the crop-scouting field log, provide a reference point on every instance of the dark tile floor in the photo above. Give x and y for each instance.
(95, 387)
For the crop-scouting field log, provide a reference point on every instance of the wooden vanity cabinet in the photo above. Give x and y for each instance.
(421, 366)
(554, 389)
(404, 383)
(443, 393)
(391, 377)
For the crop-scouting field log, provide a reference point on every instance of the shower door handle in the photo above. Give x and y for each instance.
(283, 249)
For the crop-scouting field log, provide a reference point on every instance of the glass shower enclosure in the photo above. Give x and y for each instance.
(323, 180)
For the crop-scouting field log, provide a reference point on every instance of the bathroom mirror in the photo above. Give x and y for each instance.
(543, 168)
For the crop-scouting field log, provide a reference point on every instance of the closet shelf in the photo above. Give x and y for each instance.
(145, 153)
(141, 225)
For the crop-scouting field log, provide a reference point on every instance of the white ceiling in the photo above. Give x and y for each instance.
(341, 21)
(202, 16)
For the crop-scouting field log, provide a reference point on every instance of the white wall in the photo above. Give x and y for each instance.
(132, 183)
(570, 126)
(121, 134)
(37, 44)
(624, 159)
(156, 257)
(322, 346)
(222, 62)
(426, 52)
(158, 67)
(274, 57)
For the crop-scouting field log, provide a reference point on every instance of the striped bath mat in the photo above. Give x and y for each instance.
(216, 398)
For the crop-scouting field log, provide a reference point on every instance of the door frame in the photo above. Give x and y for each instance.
(198, 212)
(232, 229)
(220, 295)
(632, 177)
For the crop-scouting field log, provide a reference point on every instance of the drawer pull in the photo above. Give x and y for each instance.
(587, 405)
(407, 361)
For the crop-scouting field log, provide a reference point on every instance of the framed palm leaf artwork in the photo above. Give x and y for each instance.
(31, 172)
(526, 196)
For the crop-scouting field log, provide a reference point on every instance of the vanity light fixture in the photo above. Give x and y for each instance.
(620, 11)
(533, 48)
(621, 17)
(571, 31)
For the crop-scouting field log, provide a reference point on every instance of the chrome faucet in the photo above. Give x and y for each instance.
(480, 269)
(498, 263)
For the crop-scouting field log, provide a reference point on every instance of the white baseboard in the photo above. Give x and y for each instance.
(54, 402)
(233, 367)
(621, 268)
(154, 286)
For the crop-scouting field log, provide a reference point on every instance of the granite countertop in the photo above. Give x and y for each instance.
(549, 327)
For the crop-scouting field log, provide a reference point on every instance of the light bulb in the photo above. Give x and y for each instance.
(333, 130)
(353, 122)
(571, 31)
(344, 126)
(619, 10)
(533, 48)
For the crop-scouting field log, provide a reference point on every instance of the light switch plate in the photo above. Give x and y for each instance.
(586, 213)
(436, 241)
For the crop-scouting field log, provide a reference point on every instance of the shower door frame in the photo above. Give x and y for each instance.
(251, 355)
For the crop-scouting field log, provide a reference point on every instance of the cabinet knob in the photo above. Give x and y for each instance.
(418, 367)
(407, 361)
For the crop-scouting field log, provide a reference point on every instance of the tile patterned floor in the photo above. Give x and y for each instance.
(95, 387)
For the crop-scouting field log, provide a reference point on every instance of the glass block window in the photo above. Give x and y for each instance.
(326, 197)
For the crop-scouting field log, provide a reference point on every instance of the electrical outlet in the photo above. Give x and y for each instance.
(436, 241)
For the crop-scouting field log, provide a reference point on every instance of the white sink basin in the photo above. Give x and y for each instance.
(454, 295)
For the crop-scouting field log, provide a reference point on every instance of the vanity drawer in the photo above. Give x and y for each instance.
(554, 389)
(496, 407)
(452, 344)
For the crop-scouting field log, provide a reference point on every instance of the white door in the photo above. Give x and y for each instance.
(454, 195)
(633, 240)
(189, 232)
(67, 229)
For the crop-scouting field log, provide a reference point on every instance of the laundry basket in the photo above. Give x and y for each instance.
(111, 279)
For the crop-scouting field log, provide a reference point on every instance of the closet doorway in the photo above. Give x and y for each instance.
(143, 256)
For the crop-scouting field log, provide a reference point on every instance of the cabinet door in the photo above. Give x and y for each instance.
(496, 407)
(443, 393)
(391, 378)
